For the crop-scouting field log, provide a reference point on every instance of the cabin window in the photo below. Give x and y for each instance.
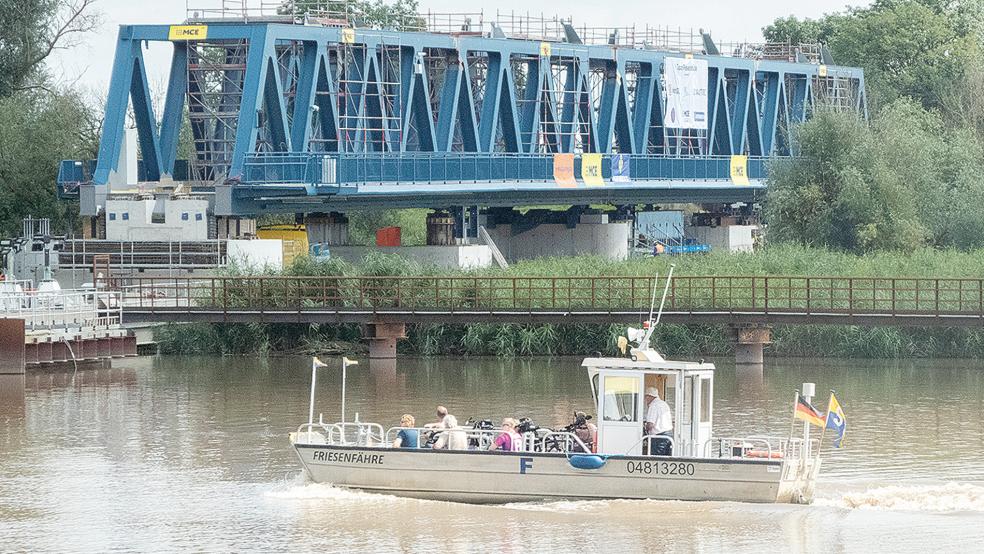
(705, 400)
(621, 398)
(688, 401)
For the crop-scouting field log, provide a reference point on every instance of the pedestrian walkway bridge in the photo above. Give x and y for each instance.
(735, 300)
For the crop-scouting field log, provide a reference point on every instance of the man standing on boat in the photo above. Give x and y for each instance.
(658, 421)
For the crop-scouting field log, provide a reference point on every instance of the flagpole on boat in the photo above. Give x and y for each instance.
(823, 432)
(792, 423)
(809, 390)
(345, 363)
(314, 378)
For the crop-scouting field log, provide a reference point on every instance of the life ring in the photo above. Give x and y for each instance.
(763, 454)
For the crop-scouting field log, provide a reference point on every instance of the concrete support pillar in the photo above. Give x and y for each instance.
(750, 341)
(12, 403)
(12, 347)
(440, 229)
(382, 339)
(330, 229)
(228, 227)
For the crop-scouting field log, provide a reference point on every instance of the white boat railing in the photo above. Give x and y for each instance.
(759, 446)
(359, 433)
(644, 440)
(481, 439)
(347, 433)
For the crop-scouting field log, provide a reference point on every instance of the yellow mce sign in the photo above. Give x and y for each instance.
(591, 170)
(187, 32)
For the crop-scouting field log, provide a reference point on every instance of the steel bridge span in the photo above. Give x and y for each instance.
(291, 113)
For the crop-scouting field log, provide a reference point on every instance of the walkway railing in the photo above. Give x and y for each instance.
(530, 295)
(280, 168)
(67, 309)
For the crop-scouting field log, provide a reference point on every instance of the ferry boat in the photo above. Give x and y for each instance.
(557, 464)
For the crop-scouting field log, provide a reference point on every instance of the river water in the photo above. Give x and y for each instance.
(167, 454)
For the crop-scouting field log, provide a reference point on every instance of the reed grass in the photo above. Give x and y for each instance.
(579, 339)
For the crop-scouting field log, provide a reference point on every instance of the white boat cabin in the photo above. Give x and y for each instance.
(619, 385)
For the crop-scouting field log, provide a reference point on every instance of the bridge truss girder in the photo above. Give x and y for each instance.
(323, 89)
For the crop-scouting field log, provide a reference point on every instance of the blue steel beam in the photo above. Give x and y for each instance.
(550, 107)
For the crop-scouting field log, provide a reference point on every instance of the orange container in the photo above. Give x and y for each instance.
(388, 236)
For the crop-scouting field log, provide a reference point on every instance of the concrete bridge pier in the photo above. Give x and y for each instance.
(382, 339)
(751, 340)
(330, 229)
(12, 395)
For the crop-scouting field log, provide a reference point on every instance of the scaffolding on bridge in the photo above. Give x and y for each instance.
(322, 78)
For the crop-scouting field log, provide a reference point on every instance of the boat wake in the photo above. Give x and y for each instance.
(560, 506)
(951, 497)
(302, 488)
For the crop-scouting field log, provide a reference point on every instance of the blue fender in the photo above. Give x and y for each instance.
(586, 461)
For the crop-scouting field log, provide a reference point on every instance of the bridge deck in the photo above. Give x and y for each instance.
(464, 299)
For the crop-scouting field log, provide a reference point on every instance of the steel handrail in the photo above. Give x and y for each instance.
(688, 294)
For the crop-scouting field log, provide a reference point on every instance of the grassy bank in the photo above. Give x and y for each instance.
(772, 260)
(577, 339)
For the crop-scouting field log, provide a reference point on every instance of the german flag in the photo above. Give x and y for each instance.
(806, 412)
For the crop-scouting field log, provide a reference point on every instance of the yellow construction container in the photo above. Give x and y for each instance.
(294, 237)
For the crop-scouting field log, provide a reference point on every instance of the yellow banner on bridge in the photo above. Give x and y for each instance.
(187, 32)
(591, 170)
(739, 170)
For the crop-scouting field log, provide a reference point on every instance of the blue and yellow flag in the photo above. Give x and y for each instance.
(836, 420)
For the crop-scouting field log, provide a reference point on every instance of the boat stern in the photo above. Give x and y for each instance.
(798, 482)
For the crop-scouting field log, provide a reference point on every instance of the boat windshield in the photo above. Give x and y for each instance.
(621, 398)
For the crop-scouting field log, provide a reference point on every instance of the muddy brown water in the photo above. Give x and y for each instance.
(172, 453)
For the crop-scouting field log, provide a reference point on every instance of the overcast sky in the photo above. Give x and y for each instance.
(90, 63)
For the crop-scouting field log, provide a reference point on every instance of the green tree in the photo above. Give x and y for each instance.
(373, 14)
(37, 130)
(840, 193)
(917, 48)
(799, 31)
(31, 30)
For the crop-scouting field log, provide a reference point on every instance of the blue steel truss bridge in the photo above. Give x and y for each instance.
(283, 109)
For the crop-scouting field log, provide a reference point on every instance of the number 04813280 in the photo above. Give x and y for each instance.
(661, 468)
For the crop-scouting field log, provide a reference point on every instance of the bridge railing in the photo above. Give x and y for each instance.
(272, 168)
(517, 295)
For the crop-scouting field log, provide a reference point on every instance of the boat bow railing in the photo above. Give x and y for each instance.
(347, 433)
(760, 446)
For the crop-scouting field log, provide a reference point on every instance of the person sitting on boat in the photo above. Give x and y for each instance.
(659, 422)
(453, 438)
(584, 430)
(508, 440)
(442, 413)
(407, 437)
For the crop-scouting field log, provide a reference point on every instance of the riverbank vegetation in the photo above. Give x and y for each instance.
(909, 176)
(576, 339)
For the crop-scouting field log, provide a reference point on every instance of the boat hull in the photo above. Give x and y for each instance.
(500, 477)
